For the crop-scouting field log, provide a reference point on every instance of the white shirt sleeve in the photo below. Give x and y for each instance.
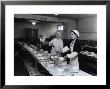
(72, 55)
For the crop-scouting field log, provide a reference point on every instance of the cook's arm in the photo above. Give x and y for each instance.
(72, 55)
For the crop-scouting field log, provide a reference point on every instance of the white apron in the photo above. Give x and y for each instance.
(74, 61)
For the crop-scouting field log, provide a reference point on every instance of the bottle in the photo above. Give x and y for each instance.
(65, 56)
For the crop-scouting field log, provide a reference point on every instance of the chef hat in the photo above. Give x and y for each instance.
(76, 32)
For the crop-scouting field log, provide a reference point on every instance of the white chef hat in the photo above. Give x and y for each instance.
(76, 32)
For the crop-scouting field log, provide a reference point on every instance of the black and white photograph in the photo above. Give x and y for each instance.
(55, 44)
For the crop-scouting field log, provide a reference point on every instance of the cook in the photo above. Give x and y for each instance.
(56, 43)
(72, 49)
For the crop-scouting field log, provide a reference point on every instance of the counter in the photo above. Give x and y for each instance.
(61, 69)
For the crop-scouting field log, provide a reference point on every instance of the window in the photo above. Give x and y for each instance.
(60, 27)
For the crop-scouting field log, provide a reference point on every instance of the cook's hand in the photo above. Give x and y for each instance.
(68, 55)
(51, 44)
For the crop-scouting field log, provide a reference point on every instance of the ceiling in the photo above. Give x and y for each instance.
(65, 16)
(70, 16)
(25, 20)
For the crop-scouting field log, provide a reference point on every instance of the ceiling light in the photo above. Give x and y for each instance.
(55, 14)
(33, 23)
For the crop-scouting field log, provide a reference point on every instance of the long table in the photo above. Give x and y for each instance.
(65, 70)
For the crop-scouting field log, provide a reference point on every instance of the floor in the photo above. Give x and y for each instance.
(19, 69)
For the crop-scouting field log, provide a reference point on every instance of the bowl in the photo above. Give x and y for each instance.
(61, 58)
(64, 63)
(39, 55)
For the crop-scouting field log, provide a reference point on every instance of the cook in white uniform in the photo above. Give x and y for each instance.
(75, 48)
(56, 43)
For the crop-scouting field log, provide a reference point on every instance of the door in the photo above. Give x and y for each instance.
(31, 33)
